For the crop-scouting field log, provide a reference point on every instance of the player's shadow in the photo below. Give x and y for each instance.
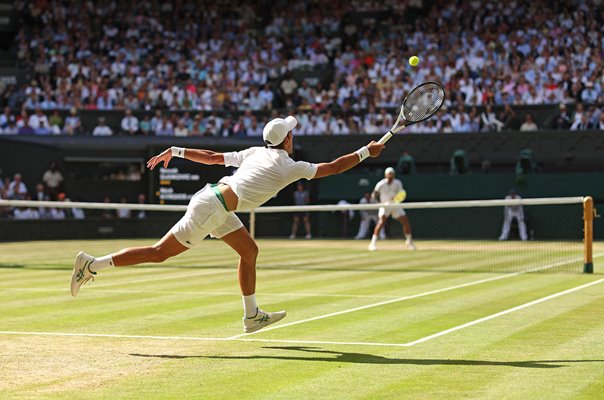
(317, 354)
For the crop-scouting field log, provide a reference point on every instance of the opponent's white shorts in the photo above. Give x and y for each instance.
(393, 212)
(205, 215)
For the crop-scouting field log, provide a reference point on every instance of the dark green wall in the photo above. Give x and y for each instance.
(440, 187)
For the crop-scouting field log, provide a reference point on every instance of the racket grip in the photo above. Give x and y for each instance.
(385, 138)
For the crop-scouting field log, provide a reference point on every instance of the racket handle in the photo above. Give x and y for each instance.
(385, 138)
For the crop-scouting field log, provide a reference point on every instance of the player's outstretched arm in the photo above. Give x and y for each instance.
(207, 157)
(348, 161)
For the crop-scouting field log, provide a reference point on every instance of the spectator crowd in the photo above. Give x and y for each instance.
(218, 63)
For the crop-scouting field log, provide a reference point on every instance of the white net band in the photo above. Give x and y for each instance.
(280, 209)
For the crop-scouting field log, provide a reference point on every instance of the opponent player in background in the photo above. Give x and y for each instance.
(385, 191)
(261, 173)
(511, 212)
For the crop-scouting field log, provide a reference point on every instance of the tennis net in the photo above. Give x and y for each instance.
(457, 236)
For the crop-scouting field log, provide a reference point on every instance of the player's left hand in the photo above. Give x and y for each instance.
(164, 156)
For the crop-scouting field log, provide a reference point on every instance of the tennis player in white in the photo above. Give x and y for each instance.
(511, 212)
(261, 173)
(384, 191)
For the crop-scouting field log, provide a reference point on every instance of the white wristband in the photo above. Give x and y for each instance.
(178, 152)
(363, 153)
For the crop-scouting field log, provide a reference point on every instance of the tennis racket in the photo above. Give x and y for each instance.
(420, 104)
(400, 197)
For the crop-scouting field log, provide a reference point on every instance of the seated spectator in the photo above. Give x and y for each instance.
(528, 125)
(255, 129)
(579, 111)
(102, 129)
(25, 129)
(446, 127)
(600, 124)
(428, 127)
(73, 124)
(589, 94)
(198, 126)
(141, 213)
(39, 123)
(288, 88)
(129, 123)
(582, 124)
(6, 117)
(10, 129)
(226, 129)
(490, 123)
(41, 195)
(107, 213)
(181, 129)
(165, 127)
(144, 125)
(123, 213)
(339, 127)
(266, 97)
(57, 213)
(211, 128)
(507, 116)
(155, 121)
(562, 118)
(76, 212)
(25, 213)
(16, 189)
(56, 122)
(464, 124)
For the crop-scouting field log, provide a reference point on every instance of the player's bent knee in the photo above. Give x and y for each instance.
(250, 253)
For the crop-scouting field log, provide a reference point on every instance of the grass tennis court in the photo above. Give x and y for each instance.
(360, 325)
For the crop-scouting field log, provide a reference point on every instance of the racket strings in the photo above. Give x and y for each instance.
(423, 102)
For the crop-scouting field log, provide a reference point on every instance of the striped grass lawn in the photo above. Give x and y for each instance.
(353, 331)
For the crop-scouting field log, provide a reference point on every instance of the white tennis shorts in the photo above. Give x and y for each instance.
(205, 215)
(393, 212)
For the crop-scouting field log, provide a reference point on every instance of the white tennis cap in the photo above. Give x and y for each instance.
(389, 170)
(276, 130)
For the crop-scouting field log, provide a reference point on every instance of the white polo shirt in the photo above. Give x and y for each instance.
(261, 173)
(386, 190)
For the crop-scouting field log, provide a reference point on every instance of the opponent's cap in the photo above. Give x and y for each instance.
(276, 130)
(389, 170)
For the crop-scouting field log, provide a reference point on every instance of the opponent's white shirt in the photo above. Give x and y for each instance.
(262, 173)
(387, 191)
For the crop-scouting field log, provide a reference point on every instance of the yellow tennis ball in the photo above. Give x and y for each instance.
(413, 61)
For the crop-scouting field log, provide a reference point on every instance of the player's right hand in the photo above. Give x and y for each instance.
(375, 148)
(164, 156)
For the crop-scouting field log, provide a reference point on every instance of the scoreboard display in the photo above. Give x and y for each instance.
(177, 183)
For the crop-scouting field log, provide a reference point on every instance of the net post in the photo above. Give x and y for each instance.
(588, 219)
(253, 224)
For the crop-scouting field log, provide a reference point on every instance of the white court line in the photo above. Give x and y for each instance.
(209, 339)
(499, 314)
(200, 339)
(415, 296)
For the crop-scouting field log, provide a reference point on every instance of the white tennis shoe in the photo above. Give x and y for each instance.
(261, 320)
(81, 272)
(372, 246)
(410, 245)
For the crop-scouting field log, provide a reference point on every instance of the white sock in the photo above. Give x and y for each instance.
(250, 309)
(374, 238)
(408, 237)
(101, 263)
